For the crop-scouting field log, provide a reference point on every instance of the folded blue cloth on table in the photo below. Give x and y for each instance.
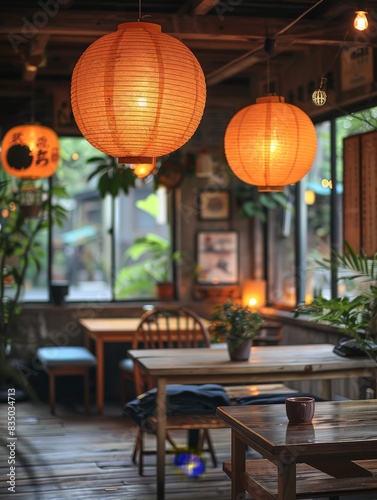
(266, 399)
(181, 400)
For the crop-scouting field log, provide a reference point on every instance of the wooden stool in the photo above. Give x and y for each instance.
(59, 361)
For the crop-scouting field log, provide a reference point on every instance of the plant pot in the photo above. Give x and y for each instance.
(58, 291)
(165, 291)
(241, 351)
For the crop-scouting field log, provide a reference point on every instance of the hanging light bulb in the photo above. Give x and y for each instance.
(361, 22)
(142, 170)
(319, 96)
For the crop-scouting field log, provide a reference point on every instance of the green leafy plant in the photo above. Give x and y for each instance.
(112, 177)
(232, 323)
(355, 317)
(252, 203)
(151, 258)
(20, 250)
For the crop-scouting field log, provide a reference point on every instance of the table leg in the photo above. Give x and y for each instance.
(100, 376)
(238, 466)
(287, 481)
(86, 340)
(327, 389)
(161, 437)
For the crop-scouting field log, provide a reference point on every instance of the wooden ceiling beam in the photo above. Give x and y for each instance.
(96, 24)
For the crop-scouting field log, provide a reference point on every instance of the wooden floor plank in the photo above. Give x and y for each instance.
(73, 456)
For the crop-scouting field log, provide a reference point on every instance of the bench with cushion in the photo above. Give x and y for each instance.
(65, 360)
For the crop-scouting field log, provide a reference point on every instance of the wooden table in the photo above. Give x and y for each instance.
(341, 432)
(101, 331)
(266, 364)
(106, 330)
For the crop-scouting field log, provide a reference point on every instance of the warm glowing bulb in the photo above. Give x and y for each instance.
(325, 183)
(309, 197)
(361, 21)
(142, 170)
(252, 302)
(75, 156)
(142, 102)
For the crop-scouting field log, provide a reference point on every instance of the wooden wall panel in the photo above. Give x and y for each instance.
(360, 192)
(351, 193)
(369, 193)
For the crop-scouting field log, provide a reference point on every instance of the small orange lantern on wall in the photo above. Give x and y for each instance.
(30, 151)
(138, 93)
(254, 293)
(270, 144)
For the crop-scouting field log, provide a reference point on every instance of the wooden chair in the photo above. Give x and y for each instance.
(63, 361)
(169, 328)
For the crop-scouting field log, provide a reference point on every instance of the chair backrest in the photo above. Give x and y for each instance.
(167, 328)
(171, 328)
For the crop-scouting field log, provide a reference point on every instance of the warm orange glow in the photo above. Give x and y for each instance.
(270, 144)
(254, 293)
(361, 21)
(30, 151)
(142, 170)
(138, 92)
(309, 197)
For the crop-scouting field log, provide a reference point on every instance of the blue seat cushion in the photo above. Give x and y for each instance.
(127, 365)
(64, 355)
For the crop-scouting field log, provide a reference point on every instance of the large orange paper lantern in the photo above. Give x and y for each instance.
(270, 144)
(138, 93)
(30, 151)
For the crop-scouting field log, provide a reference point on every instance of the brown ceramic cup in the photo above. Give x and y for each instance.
(300, 409)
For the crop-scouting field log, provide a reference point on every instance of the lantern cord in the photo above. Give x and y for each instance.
(269, 46)
(139, 19)
(32, 104)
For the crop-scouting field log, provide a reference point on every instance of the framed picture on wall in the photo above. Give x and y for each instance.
(217, 257)
(214, 205)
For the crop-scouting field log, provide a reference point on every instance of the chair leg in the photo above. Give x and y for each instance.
(86, 392)
(136, 447)
(52, 392)
(141, 452)
(207, 438)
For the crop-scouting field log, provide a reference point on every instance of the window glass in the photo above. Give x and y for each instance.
(88, 253)
(141, 214)
(281, 270)
(317, 199)
(81, 248)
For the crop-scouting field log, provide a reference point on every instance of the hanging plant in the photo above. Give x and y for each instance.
(112, 177)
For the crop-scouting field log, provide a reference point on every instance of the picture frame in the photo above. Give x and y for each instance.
(214, 205)
(217, 255)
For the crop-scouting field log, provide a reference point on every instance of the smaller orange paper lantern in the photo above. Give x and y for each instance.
(270, 144)
(30, 151)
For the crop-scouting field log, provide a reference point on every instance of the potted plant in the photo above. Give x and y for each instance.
(152, 258)
(20, 249)
(237, 326)
(355, 317)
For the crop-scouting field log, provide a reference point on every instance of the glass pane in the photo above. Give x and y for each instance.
(317, 199)
(282, 276)
(81, 249)
(143, 213)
